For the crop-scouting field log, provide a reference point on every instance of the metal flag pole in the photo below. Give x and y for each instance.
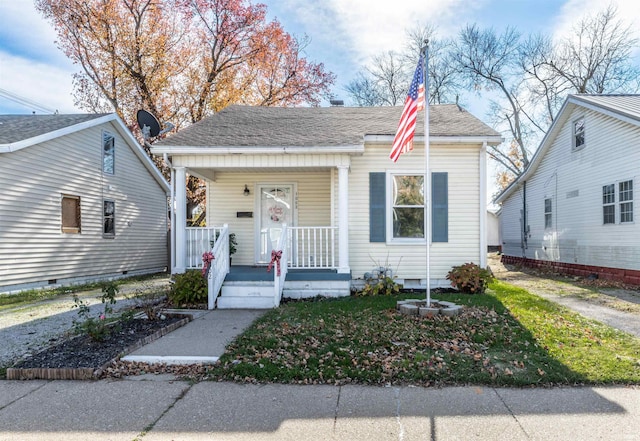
(427, 174)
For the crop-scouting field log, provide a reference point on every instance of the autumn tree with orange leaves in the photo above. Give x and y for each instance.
(182, 60)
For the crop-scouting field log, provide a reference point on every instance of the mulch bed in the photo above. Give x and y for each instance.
(82, 358)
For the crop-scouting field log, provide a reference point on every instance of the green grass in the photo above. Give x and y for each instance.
(507, 337)
(8, 301)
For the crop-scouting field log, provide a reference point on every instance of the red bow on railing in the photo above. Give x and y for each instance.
(275, 257)
(207, 258)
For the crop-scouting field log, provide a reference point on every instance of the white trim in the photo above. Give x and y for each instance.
(343, 219)
(180, 219)
(257, 150)
(483, 206)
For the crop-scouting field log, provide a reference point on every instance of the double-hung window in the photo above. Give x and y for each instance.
(609, 204)
(626, 201)
(109, 219)
(578, 134)
(407, 206)
(108, 153)
(548, 214)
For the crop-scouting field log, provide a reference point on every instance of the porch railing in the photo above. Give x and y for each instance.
(312, 247)
(219, 266)
(278, 279)
(198, 241)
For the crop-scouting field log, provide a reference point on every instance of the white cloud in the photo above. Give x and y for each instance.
(42, 83)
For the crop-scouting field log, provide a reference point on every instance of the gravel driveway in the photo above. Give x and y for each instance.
(29, 328)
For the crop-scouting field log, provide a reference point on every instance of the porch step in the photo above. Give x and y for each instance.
(304, 289)
(246, 295)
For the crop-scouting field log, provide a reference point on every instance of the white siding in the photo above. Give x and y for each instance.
(33, 250)
(574, 181)
(225, 198)
(409, 261)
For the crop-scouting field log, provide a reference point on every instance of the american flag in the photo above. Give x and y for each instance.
(403, 141)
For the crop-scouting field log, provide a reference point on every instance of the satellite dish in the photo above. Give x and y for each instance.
(148, 124)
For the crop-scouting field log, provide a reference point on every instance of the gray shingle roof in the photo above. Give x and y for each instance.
(318, 126)
(627, 105)
(14, 128)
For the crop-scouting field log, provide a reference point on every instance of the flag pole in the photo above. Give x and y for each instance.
(427, 174)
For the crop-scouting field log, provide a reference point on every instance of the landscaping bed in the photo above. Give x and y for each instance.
(81, 357)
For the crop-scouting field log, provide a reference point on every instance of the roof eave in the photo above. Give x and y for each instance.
(19, 145)
(388, 139)
(257, 150)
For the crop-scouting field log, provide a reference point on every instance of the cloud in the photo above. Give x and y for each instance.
(40, 82)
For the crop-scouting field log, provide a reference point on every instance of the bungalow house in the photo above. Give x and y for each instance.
(80, 201)
(573, 208)
(313, 191)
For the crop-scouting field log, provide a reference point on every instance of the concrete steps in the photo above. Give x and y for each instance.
(246, 295)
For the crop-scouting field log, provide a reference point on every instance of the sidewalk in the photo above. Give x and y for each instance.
(173, 410)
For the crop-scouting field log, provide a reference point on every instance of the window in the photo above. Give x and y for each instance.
(609, 204)
(626, 201)
(548, 218)
(70, 214)
(578, 133)
(109, 219)
(407, 206)
(108, 153)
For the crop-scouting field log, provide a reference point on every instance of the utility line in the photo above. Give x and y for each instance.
(25, 101)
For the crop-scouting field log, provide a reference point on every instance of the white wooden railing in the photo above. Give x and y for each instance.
(219, 266)
(198, 241)
(313, 247)
(278, 279)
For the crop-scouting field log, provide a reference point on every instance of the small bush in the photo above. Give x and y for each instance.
(379, 285)
(96, 327)
(189, 288)
(470, 278)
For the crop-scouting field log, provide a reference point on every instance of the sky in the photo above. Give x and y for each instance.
(344, 35)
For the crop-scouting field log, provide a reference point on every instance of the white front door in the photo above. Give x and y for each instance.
(276, 206)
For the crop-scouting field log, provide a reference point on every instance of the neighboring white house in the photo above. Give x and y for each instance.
(79, 200)
(326, 174)
(493, 231)
(574, 208)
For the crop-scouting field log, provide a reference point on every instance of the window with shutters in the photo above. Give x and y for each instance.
(70, 214)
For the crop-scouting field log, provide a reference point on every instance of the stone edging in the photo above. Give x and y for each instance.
(418, 307)
(90, 373)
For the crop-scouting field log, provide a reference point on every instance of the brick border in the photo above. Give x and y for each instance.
(627, 276)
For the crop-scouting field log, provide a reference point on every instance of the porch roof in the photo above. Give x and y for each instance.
(303, 127)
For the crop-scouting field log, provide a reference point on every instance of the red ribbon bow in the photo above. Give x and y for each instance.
(207, 258)
(275, 257)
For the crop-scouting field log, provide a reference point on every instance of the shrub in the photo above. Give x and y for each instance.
(96, 327)
(189, 288)
(470, 278)
(381, 283)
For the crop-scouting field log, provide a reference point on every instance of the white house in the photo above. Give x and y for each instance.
(325, 173)
(573, 208)
(80, 200)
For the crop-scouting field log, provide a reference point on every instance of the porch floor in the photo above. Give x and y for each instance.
(248, 273)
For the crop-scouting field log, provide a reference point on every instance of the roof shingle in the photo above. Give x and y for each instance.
(14, 128)
(317, 126)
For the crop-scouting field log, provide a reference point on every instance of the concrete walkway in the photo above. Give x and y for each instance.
(173, 410)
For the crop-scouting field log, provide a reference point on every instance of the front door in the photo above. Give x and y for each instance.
(276, 207)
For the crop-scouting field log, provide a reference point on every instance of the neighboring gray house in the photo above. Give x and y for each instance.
(79, 200)
(574, 206)
(325, 174)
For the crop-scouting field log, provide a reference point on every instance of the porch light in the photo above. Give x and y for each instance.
(246, 190)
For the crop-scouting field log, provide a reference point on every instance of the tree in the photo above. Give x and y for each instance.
(385, 81)
(182, 60)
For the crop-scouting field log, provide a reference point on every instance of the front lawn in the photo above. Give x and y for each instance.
(507, 337)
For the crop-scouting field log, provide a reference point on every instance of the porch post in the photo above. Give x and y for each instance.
(181, 219)
(343, 219)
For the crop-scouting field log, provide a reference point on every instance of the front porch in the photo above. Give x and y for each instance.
(304, 264)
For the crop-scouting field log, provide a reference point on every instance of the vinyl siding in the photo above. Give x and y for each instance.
(574, 181)
(33, 250)
(225, 198)
(409, 261)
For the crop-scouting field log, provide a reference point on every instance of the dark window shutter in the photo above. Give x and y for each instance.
(377, 207)
(439, 207)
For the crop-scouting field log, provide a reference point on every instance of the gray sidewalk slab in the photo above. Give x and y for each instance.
(202, 339)
(85, 410)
